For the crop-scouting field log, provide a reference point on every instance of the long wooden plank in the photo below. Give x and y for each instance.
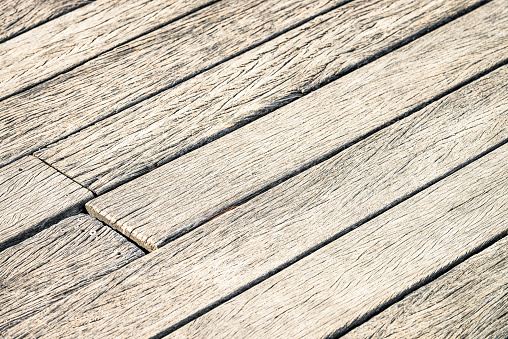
(170, 284)
(80, 35)
(133, 142)
(470, 301)
(19, 16)
(353, 276)
(57, 261)
(180, 195)
(142, 67)
(33, 195)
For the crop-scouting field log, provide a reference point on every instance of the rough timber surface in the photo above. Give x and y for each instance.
(32, 195)
(134, 141)
(166, 286)
(470, 301)
(80, 35)
(57, 261)
(135, 70)
(19, 16)
(188, 191)
(353, 276)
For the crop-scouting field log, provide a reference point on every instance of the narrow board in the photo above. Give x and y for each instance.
(231, 251)
(142, 67)
(19, 16)
(57, 261)
(80, 35)
(470, 301)
(33, 195)
(180, 195)
(159, 129)
(352, 277)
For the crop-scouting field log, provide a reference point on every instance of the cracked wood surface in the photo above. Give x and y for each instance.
(470, 301)
(166, 286)
(355, 275)
(172, 199)
(19, 16)
(55, 262)
(80, 35)
(137, 69)
(170, 124)
(34, 195)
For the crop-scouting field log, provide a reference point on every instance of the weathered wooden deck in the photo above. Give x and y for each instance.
(254, 169)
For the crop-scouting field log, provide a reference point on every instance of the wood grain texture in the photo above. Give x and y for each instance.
(470, 301)
(19, 16)
(135, 70)
(185, 276)
(33, 195)
(159, 129)
(71, 39)
(57, 261)
(188, 191)
(354, 275)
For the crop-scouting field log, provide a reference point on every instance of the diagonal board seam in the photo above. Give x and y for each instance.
(284, 101)
(336, 151)
(333, 238)
(42, 22)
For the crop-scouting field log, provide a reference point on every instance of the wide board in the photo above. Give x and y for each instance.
(165, 203)
(32, 196)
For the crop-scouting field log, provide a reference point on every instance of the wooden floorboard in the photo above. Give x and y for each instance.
(19, 16)
(55, 262)
(32, 196)
(353, 276)
(80, 35)
(155, 131)
(137, 69)
(185, 193)
(470, 301)
(176, 281)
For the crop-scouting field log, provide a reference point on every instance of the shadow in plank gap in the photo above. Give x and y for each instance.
(55, 262)
(356, 274)
(469, 301)
(179, 196)
(132, 142)
(229, 254)
(19, 16)
(141, 67)
(34, 195)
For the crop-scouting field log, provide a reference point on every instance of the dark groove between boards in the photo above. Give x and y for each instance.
(290, 98)
(336, 151)
(337, 236)
(40, 23)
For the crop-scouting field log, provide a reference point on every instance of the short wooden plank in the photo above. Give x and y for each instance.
(57, 261)
(136, 140)
(138, 69)
(470, 301)
(170, 284)
(74, 38)
(180, 195)
(19, 16)
(33, 195)
(355, 275)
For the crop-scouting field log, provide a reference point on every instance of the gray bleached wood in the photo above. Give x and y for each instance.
(157, 130)
(180, 195)
(57, 261)
(20, 15)
(82, 34)
(135, 70)
(470, 301)
(355, 275)
(230, 251)
(32, 195)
